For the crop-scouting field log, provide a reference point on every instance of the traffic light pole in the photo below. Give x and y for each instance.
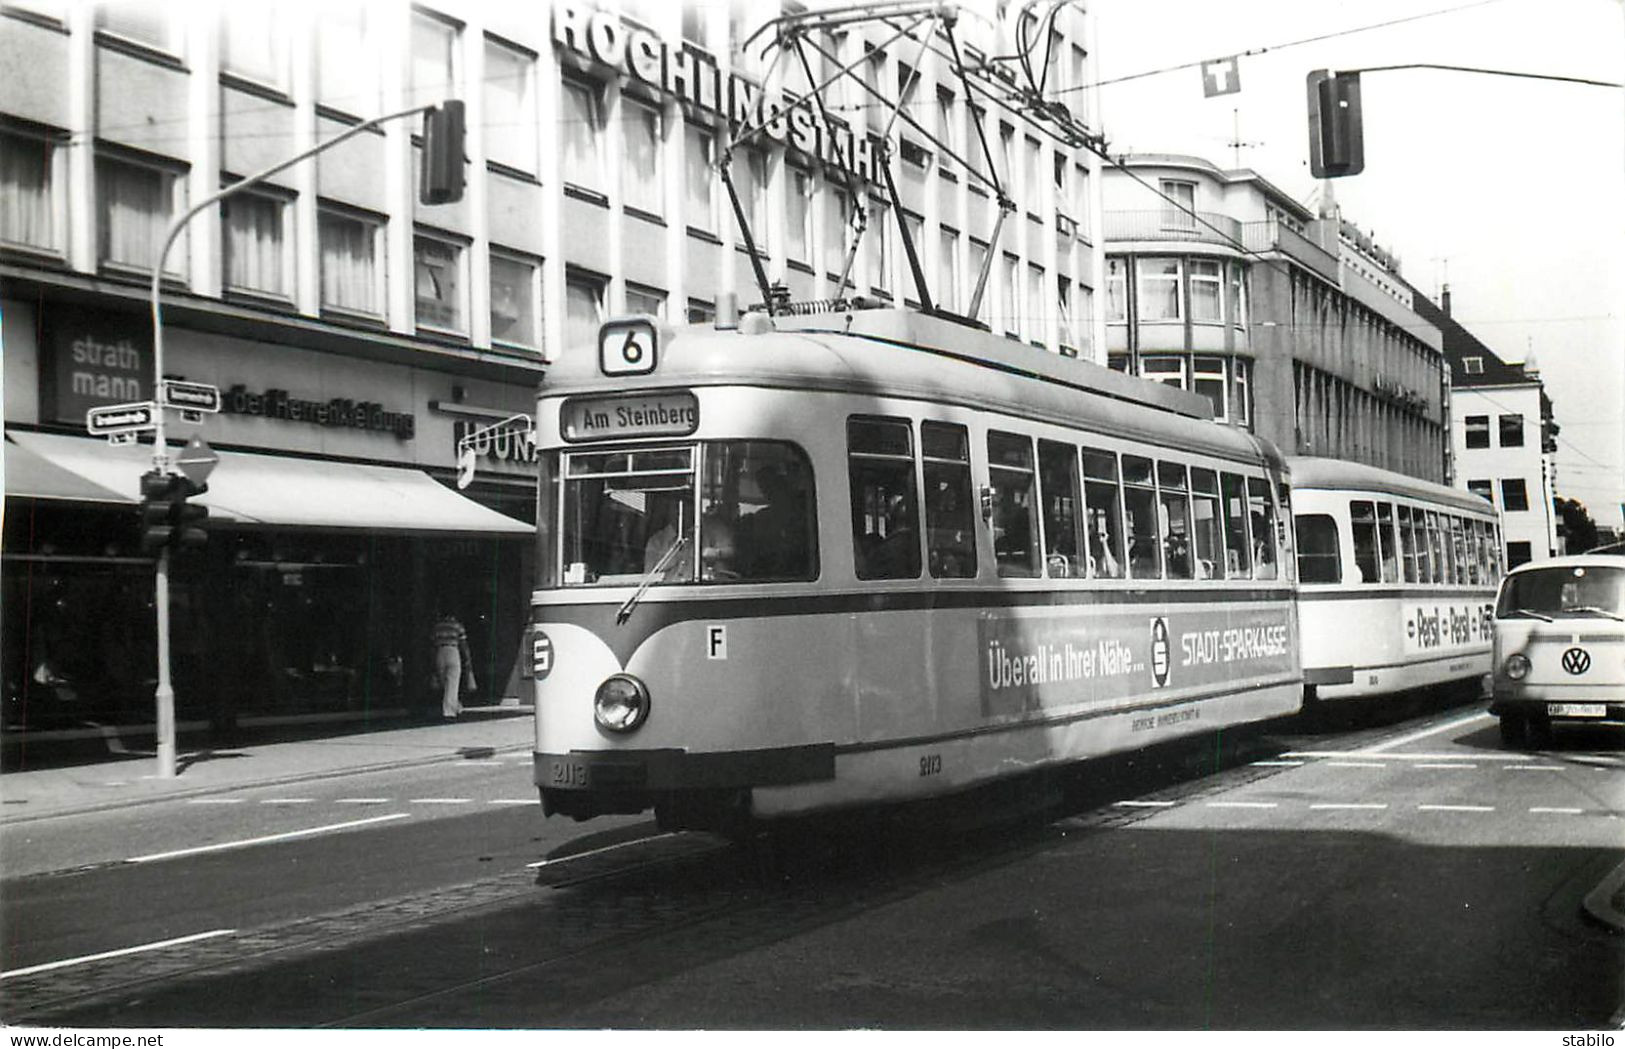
(164, 695)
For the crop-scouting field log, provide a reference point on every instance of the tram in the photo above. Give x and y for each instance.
(1396, 580)
(831, 560)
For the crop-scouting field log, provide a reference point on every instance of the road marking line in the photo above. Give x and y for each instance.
(1243, 805)
(1536, 768)
(1561, 812)
(594, 852)
(1435, 730)
(1456, 808)
(1401, 757)
(214, 801)
(360, 801)
(514, 801)
(438, 801)
(1355, 765)
(1145, 804)
(286, 836)
(84, 959)
(286, 801)
(1349, 806)
(480, 761)
(1279, 764)
(1443, 765)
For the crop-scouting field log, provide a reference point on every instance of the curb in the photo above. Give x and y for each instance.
(1600, 901)
(274, 781)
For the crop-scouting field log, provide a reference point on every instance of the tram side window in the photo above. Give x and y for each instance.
(1481, 538)
(1363, 526)
(1407, 542)
(1104, 518)
(1238, 558)
(1289, 557)
(1207, 528)
(1319, 560)
(1174, 519)
(756, 512)
(950, 508)
(1386, 550)
(627, 514)
(1262, 512)
(885, 513)
(1140, 506)
(1015, 528)
(1458, 547)
(1058, 484)
(1436, 567)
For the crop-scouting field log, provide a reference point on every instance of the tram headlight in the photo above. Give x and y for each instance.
(621, 703)
(1516, 667)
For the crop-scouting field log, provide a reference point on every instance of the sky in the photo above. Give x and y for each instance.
(1512, 190)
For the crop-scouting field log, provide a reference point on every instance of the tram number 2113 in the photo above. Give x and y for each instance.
(931, 765)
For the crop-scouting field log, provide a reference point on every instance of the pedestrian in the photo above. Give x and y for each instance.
(453, 666)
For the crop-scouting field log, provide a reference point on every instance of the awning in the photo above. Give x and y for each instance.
(255, 489)
(36, 477)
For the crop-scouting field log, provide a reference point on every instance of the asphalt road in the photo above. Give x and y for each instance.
(1410, 875)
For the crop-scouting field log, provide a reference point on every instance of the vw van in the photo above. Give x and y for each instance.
(1559, 654)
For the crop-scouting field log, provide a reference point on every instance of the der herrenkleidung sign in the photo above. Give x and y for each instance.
(693, 76)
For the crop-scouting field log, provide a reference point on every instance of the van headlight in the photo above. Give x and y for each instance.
(1516, 667)
(621, 703)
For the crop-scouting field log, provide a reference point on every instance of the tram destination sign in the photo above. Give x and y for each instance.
(112, 419)
(672, 414)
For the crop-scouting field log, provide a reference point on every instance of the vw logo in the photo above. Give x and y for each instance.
(1577, 661)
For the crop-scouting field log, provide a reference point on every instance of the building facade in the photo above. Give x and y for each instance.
(1295, 327)
(1503, 437)
(357, 333)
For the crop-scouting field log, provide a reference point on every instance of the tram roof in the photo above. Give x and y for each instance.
(903, 353)
(1316, 472)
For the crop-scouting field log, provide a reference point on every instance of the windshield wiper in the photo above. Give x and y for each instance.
(625, 611)
(1531, 613)
(1599, 610)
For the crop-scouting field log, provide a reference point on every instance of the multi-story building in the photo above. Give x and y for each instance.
(1296, 327)
(357, 333)
(1503, 436)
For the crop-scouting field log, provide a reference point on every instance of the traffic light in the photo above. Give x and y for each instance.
(157, 509)
(185, 518)
(441, 177)
(1336, 135)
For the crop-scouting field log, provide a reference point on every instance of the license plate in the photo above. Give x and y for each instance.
(566, 773)
(1577, 710)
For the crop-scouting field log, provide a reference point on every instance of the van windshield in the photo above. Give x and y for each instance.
(1569, 590)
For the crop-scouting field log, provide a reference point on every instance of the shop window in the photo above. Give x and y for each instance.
(1015, 524)
(798, 215)
(1511, 431)
(1207, 379)
(950, 506)
(135, 204)
(1103, 520)
(1159, 294)
(699, 178)
(583, 307)
(1319, 559)
(346, 67)
(32, 195)
(582, 135)
(1514, 494)
(432, 74)
(515, 301)
(352, 270)
(642, 132)
(1174, 520)
(1207, 290)
(1478, 431)
(1140, 514)
(510, 120)
(252, 45)
(440, 278)
(885, 515)
(1205, 524)
(258, 245)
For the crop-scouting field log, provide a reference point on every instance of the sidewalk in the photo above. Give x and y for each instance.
(131, 778)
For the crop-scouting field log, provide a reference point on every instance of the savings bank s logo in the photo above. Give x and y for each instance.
(1577, 661)
(1161, 659)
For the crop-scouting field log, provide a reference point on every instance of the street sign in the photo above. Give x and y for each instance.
(189, 396)
(197, 460)
(121, 418)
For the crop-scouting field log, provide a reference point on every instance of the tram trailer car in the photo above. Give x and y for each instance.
(839, 560)
(1396, 580)
(1560, 647)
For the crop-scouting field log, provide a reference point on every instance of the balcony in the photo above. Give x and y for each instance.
(1206, 227)
(1270, 235)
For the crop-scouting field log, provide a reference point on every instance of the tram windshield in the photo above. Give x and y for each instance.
(625, 510)
(1571, 590)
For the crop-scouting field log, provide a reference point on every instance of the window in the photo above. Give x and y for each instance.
(629, 516)
(947, 289)
(1458, 548)
(946, 129)
(1103, 524)
(1242, 402)
(1478, 431)
(1412, 539)
(1205, 525)
(1262, 513)
(135, 203)
(582, 135)
(1238, 295)
(1435, 549)
(1207, 378)
(1472, 365)
(1519, 552)
(1015, 525)
(701, 312)
(875, 247)
(1512, 431)
(440, 280)
(515, 297)
(645, 300)
(950, 506)
(1036, 321)
(1238, 557)
(1483, 488)
(1363, 524)
(1166, 369)
(694, 24)
(642, 184)
(1063, 307)
(750, 179)
(149, 22)
(837, 232)
(1319, 560)
(975, 158)
(583, 307)
(880, 466)
(699, 179)
(1207, 289)
(1387, 551)
(352, 270)
(757, 513)
(978, 260)
(873, 99)
(1058, 484)
(1179, 205)
(1140, 508)
(510, 107)
(1574, 593)
(433, 72)
(1010, 270)
(1159, 289)
(251, 45)
(258, 250)
(1005, 158)
(1174, 520)
(1514, 494)
(1033, 175)
(1080, 201)
(1116, 290)
(346, 69)
(32, 195)
(798, 215)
